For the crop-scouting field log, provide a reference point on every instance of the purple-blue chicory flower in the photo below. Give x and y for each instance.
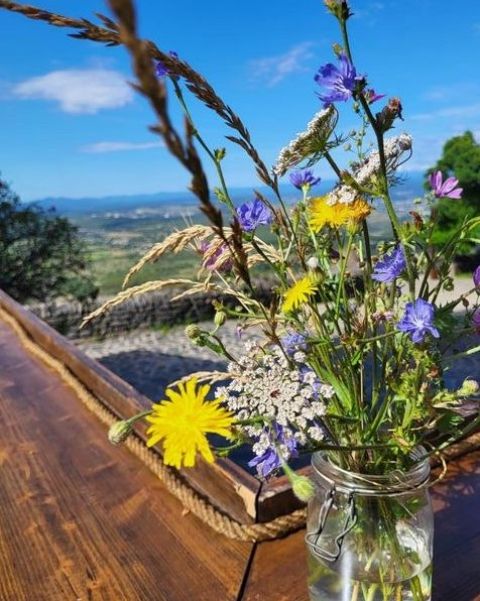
(161, 69)
(371, 96)
(339, 82)
(417, 320)
(445, 189)
(476, 277)
(304, 179)
(269, 460)
(252, 214)
(391, 266)
(294, 342)
(476, 321)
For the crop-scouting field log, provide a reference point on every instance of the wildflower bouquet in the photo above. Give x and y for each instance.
(352, 362)
(355, 342)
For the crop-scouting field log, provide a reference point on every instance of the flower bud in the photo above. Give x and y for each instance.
(389, 113)
(313, 263)
(469, 388)
(193, 332)
(219, 154)
(303, 488)
(220, 318)
(119, 431)
(339, 8)
(448, 284)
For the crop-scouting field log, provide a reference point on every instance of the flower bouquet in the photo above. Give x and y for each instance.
(353, 343)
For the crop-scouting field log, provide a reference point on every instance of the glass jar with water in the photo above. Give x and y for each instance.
(369, 537)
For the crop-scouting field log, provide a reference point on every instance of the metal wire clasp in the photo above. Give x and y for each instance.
(312, 538)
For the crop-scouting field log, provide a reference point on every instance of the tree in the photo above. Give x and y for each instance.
(41, 253)
(460, 158)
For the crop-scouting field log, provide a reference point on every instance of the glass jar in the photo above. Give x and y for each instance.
(370, 538)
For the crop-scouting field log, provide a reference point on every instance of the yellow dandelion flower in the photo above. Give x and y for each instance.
(321, 213)
(299, 293)
(183, 421)
(359, 210)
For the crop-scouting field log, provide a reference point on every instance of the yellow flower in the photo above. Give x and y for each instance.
(321, 213)
(359, 210)
(183, 421)
(299, 293)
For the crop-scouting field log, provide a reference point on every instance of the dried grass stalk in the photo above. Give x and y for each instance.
(197, 289)
(175, 242)
(132, 292)
(203, 376)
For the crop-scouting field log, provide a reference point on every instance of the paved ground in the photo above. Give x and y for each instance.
(149, 360)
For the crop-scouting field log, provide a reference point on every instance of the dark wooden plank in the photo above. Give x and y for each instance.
(457, 532)
(82, 520)
(279, 571)
(229, 487)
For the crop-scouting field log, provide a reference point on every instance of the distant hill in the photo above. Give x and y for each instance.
(75, 206)
(409, 188)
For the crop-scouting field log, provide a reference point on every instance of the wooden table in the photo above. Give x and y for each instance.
(81, 520)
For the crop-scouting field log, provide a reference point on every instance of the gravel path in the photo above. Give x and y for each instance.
(151, 359)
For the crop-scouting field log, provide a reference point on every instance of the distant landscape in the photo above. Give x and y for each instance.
(120, 229)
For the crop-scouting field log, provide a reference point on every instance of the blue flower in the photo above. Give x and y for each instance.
(293, 343)
(269, 460)
(417, 320)
(252, 214)
(339, 82)
(305, 178)
(161, 69)
(391, 266)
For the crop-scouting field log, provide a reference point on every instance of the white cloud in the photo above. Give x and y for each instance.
(78, 90)
(274, 69)
(452, 92)
(369, 11)
(470, 110)
(102, 147)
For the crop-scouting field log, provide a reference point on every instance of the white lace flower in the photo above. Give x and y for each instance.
(266, 385)
(395, 149)
(308, 142)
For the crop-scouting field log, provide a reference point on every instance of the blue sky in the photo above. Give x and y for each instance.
(71, 126)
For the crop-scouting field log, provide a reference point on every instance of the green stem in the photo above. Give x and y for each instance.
(341, 291)
(218, 167)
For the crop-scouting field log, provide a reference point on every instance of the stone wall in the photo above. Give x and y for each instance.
(155, 309)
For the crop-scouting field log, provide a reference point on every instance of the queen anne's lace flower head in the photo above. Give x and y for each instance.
(266, 385)
(395, 150)
(309, 142)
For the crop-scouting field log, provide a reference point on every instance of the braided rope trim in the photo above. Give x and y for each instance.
(188, 497)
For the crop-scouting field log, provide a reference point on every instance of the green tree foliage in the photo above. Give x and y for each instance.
(41, 254)
(460, 158)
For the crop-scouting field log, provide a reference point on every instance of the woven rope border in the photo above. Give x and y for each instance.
(187, 496)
